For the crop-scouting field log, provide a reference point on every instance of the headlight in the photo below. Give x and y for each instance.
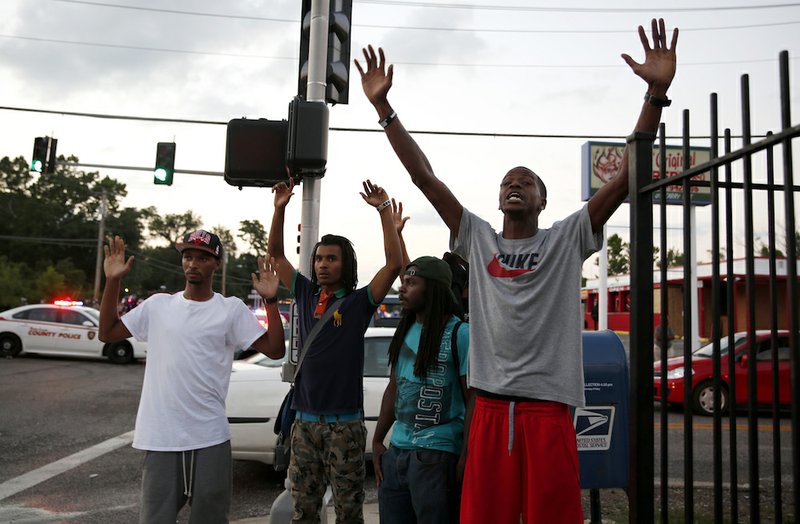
(672, 374)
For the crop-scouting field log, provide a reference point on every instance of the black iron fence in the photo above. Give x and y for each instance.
(753, 328)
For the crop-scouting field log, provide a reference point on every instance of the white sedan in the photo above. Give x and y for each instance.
(64, 329)
(256, 392)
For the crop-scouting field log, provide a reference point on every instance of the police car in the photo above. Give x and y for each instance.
(62, 328)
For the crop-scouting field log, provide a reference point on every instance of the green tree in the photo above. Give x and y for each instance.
(14, 283)
(172, 226)
(53, 219)
(226, 237)
(674, 258)
(253, 232)
(50, 284)
(619, 255)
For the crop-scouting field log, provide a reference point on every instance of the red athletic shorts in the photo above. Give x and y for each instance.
(522, 460)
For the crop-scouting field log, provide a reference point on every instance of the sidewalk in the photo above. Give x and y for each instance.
(370, 516)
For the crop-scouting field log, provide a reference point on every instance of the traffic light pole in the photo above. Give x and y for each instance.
(312, 186)
(98, 267)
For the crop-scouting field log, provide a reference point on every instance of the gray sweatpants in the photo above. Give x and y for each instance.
(201, 476)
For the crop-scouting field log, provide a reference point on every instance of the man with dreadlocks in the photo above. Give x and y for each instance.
(329, 436)
(526, 366)
(417, 476)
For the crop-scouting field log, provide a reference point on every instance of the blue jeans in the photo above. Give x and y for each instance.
(419, 485)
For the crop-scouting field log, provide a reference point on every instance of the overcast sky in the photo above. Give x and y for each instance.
(493, 66)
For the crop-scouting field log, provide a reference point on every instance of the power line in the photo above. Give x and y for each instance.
(337, 129)
(562, 9)
(145, 48)
(92, 242)
(415, 28)
(406, 63)
(74, 242)
(569, 31)
(179, 12)
(402, 3)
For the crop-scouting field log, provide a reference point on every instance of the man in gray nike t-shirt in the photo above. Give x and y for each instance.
(525, 325)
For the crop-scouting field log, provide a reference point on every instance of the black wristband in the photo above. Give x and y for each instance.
(388, 120)
(656, 101)
(268, 301)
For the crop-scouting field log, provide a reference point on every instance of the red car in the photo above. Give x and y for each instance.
(702, 400)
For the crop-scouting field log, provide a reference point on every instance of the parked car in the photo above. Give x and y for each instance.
(256, 391)
(261, 316)
(388, 313)
(702, 400)
(62, 328)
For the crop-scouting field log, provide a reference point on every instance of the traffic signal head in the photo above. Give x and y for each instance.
(39, 154)
(307, 147)
(255, 152)
(50, 166)
(337, 69)
(165, 163)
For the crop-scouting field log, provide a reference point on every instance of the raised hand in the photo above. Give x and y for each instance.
(658, 68)
(114, 263)
(397, 216)
(265, 282)
(283, 193)
(377, 79)
(373, 195)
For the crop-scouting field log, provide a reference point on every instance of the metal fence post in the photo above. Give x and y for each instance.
(641, 491)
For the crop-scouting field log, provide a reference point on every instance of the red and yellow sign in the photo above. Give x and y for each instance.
(601, 161)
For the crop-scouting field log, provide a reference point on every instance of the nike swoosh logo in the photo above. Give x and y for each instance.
(496, 270)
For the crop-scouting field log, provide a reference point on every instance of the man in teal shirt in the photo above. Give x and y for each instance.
(419, 475)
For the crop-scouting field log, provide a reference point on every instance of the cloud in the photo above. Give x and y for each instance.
(157, 79)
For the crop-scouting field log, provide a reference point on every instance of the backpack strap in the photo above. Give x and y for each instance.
(454, 347)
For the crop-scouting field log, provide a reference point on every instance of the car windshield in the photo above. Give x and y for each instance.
(708, 349)
(95, 314)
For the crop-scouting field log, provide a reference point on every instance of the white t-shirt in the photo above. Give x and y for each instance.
(189, 357)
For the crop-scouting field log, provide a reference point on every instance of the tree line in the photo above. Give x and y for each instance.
(49, 226)
(619, 254)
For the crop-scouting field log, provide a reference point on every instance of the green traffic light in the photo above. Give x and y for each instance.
(161, 174)
(37, 166)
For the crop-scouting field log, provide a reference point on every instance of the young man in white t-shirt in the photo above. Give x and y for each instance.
(525, 325)
(191, 336)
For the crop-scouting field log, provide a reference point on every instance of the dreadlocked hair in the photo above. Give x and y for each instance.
(439, 307)
(349, 262)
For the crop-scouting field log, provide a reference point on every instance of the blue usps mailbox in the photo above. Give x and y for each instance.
(601, 427)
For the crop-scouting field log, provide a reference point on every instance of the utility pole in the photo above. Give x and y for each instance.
(281, 510)
(224, 270)
(101, 231)
(312, 186)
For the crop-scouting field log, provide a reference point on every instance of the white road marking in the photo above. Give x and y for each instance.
(32, 478)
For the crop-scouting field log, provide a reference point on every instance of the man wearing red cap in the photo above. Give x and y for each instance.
(191, 335)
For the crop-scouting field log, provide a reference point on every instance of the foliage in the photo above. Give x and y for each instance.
(49, 225)
(253, 232)
(172, 226)
(619, 255)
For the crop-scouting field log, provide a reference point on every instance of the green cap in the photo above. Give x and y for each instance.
(432, 269)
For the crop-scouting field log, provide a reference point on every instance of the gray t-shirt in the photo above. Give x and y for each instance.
(525, 314)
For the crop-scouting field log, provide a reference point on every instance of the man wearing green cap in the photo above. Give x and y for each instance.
(418, 476)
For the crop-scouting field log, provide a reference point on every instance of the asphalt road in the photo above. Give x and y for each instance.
(52, 408)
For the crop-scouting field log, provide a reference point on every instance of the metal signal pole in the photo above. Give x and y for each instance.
(98, 267)
(312, 186)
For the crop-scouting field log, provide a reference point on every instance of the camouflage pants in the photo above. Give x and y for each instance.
(328, 454)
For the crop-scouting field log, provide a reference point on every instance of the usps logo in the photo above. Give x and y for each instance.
(593, 427)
